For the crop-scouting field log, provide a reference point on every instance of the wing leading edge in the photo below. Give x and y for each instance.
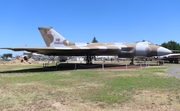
(72, 51)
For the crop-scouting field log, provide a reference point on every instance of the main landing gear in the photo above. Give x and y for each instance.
(89, 59)
(176, 61)
(132, 61)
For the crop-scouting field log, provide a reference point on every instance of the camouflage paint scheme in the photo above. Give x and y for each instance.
(57, 45)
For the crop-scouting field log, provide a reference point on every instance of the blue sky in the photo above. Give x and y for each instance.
(157, 21)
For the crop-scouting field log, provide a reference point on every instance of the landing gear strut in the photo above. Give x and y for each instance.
(176, 61)
(88, 59)
(132, 61)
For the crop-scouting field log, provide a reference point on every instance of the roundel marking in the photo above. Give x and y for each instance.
(148, 49)
(57, 39)
(49, 32)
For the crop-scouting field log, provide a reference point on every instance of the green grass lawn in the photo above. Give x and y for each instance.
(95, 89)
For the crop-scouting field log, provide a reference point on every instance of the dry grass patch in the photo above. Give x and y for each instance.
(161, 74)
(154, 100)
(93, 90)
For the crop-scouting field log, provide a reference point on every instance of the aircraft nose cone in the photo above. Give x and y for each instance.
(163, 51)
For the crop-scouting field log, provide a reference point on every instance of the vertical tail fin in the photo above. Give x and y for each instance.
(53, 38)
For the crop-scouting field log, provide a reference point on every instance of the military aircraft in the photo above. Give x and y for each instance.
(172, 58)
(57, 45)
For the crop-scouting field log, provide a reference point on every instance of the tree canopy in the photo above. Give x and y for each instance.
(172, 45)
(94, 40)
(5, 56)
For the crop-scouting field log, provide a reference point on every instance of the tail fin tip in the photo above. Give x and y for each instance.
(51, 37)
(45, 27)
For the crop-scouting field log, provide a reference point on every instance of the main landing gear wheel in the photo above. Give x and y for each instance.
(132, 61)
(88, 59)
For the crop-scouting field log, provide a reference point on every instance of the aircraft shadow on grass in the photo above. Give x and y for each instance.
(63, 67)
(29, 70)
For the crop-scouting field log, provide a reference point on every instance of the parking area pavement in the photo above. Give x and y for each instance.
(174, 71)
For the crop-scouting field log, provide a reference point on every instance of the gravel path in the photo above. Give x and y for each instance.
(174, 71)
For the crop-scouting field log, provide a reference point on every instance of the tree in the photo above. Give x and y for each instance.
(5, 56)
(143, 40)
(94, 40)
(172, 45)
